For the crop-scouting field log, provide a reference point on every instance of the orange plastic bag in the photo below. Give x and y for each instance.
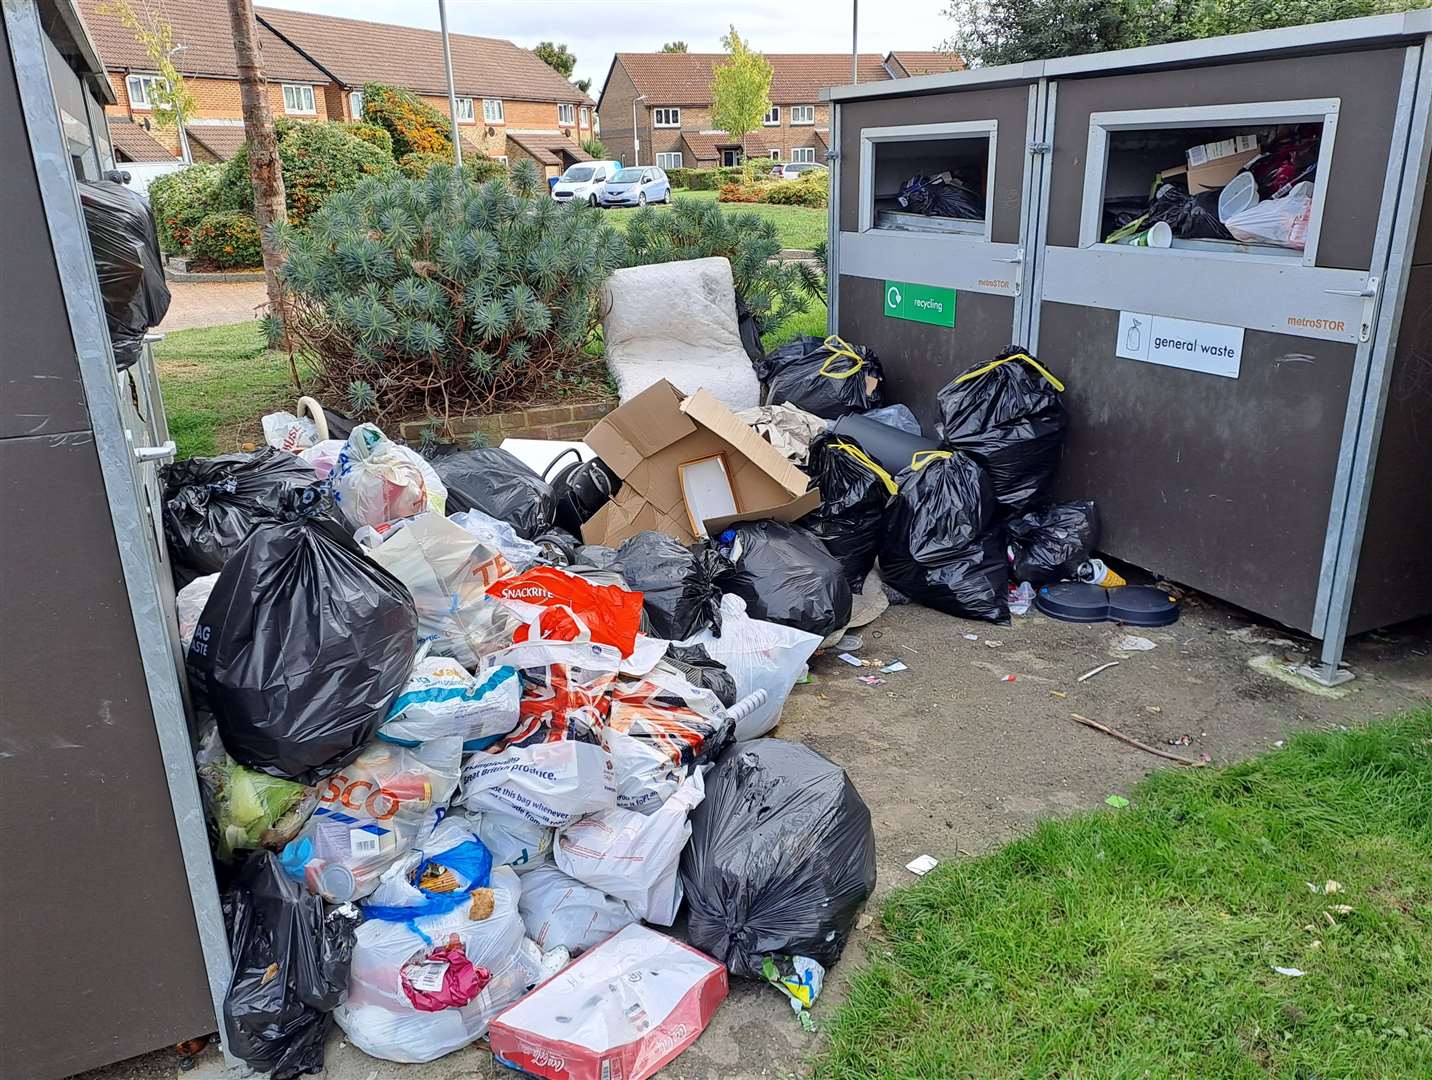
(605, 614)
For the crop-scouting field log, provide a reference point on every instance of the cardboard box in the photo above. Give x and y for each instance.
(1213, 175)
(646, 441)
(1209, 152)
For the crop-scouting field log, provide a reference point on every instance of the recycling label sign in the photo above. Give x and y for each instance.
(919, 303)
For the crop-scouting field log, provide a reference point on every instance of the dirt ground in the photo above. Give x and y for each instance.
(954, 761)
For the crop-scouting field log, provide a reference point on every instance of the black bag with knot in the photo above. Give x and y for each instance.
(853, 493)
(1050, 543)
(212, 504)
(781, 857)
(680, 596)
(827, 377)
(497, 483)
(787, 576)
(942, 547)
(303, 644)
(1008, 416)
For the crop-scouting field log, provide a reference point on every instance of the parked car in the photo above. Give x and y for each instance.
(637, 186)
(793, 170)
(585, 181)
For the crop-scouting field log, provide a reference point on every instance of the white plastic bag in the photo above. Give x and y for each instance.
(448, 573)
(397, 887)
(1281, 221)
(759, 655)
(371, 814)
(660, 725)
(323, 456)
(441, 698)
(633, 856)
(499, 536)
(376, 480)
(379, 1017)
(559, 910)
(513, 841)
(189, 605)
(288, 432)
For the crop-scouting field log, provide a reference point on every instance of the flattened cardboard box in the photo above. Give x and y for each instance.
(644, 442)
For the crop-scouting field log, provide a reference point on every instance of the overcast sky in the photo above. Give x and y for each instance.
(595, 29)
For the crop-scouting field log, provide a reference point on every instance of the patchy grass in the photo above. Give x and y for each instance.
(798, 226)
(809, 323)
(1142, 942)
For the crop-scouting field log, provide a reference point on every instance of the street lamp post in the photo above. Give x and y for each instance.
(452, 90)
(635, 138)
(854, 41)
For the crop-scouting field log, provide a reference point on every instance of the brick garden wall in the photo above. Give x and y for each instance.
(567, 422)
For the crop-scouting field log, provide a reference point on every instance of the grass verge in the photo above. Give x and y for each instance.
(1143, 942)
(798, 226)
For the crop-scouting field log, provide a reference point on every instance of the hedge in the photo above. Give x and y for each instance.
(370, 133)
(180, 200)
(318, 160)
(229, 240)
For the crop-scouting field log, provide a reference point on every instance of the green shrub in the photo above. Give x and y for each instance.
(475, 168)
(318, 159)
(180, 200)
(370, 133)
(690, 179)
(812, 189)
(416, 128)
(229, 240)
(596, 148)
(439, 296)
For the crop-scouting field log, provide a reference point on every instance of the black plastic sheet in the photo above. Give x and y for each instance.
(303, 645)
(786, 575)
(1008, 416)
(696, 664)
(853, 493)
(781, 857)
(821, 376)
(680, 594)
(291, 959)
(212, 504)
(125, 244)
(1050, 543)
(497, 483)
(1191, 217)
(940, 196)
(941, 546)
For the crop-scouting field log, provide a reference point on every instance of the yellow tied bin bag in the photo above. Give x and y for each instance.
(829, 377)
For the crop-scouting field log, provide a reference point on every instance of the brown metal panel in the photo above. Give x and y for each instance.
(919, 359)
(1366, 82)
(1224, 484)
(1008, 105)
(1394, 579)
(39, 386)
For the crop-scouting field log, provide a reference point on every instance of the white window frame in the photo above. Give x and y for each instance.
(870, 138)
(502, 158)
(772, 118)
(566, 113)
(492, 111)
(774, 153)
(466, 111)
(802, 114)
(585, 117)
(298, 90)
(355, 103)
(798, 155)
(664, 161)
(144, 81)
(1305, 111)
(672, 113)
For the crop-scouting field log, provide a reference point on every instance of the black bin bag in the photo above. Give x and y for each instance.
(786, 575)
(303, 644)
(828, 377)
(497, 483)
(942, 547)
(680, 594)
(781, 857)
(853, 493)
(1050, 543)
(579, 489)
(125, 245)
(1007, 415)
(212, 504)
(291, 960)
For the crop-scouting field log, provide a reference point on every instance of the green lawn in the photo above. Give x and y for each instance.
(1142, 942)
(799, 226)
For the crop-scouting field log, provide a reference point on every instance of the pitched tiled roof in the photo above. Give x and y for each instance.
(924, 63)
(549, 149)
(134, 143)
(203, 28)
(355, 52)
(221, 140)
(704, 145)
(798, 79)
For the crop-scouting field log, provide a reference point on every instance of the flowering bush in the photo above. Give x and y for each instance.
(229, 240)
(416, 128)
(180, 200)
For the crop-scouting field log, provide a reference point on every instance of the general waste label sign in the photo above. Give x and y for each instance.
(1194, 346)
(919, 303)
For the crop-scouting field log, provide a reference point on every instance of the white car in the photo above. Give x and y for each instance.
(585, 182)
(793, 170)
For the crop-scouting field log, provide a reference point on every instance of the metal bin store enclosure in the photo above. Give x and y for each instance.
(1231, 401)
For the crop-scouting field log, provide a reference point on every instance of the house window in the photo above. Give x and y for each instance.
(492, 110)
(355, 104)
(464, 110)
(502, 158)
(141, 90)
(802, 114)
(666, 117)
(803, 154)
(298, 99)
(668, 161)
(566, 114)
(586, 117)
(775, 155)
(773, 117)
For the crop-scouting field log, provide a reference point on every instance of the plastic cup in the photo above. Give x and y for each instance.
(1158, 235)
(1238, 195)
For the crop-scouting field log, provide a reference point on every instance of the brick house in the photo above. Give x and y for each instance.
(671, 93)
(510, 104)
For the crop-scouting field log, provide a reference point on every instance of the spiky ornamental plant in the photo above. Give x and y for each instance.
(771, 289)
(444, 296)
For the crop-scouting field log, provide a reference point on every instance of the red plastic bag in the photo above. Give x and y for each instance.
(605, 614)
(444, 979)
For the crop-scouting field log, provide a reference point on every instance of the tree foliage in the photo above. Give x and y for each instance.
(674, 46)
(415, 127)
(319, 159)
(171, 103)
(740, 88)
(228, 239)
(556, 57)
(443, 296)
(180, 200)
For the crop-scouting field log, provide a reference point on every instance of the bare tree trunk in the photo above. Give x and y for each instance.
(265, 170)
